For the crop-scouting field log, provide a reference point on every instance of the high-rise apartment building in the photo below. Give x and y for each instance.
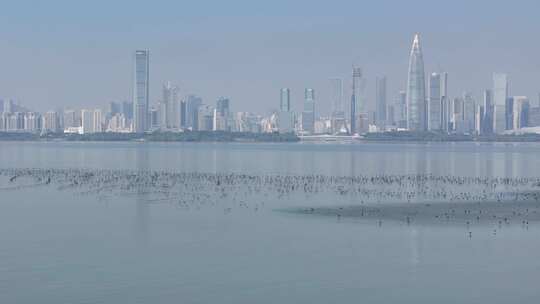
(70, 119)
(87, 121)
(31, 121)
(50, 121)
(97, 124)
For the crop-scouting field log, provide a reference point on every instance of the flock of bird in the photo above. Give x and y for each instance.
(201, 186)
(228, 190)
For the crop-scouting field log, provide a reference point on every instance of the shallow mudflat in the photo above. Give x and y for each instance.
(492, 212)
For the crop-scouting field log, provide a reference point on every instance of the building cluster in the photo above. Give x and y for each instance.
(170, 113)
(432, 109)
(424, 105)
(15, 118)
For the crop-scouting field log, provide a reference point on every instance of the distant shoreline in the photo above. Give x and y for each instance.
(190, 136)
(233, 137)
(404, 136)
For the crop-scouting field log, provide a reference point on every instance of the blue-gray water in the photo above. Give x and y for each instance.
(59, 247)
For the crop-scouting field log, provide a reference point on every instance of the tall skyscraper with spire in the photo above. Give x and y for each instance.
(416, 89)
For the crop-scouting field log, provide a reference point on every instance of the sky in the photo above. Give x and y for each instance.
(79, 54)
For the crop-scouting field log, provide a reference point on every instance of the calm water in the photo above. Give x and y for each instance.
(57, 247)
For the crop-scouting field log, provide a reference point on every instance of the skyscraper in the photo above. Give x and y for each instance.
(285, 118)
(127, 109)
(479, 119)
(456, 113)
(97, 126)
(205, 117)
(192, 104)
(285, 100)
(50, 121)
(87, 121)
(114, 108)
(337, 96)
(222, 114)
(469, 115)
(153, 119)
(338, 114)
(162, 114)
(183, 113)
(223, 106)
(416, 89)
(8, 106)
(509, 112)
(401, 101)
(487, 125)
(500, 96)
(141, 91)
(308, 115)
(31, 122)
(434, 102)
(520, 112)
(380, 99)
(391, 115)
(70, 119)
(445, 103)
(356, 77)
(169, 108)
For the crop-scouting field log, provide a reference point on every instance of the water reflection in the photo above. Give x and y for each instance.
(463, 159)
(142, 210)
(415, 239)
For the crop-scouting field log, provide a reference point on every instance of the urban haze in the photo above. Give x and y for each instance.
(269, 152)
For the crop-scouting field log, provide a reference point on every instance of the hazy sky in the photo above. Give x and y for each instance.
(79, 53)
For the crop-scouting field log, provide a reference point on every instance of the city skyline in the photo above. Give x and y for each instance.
(284, 151)
(424, 106)
(209, 64)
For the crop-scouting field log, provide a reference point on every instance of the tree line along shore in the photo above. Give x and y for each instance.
(224, 136)
(191, 136)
